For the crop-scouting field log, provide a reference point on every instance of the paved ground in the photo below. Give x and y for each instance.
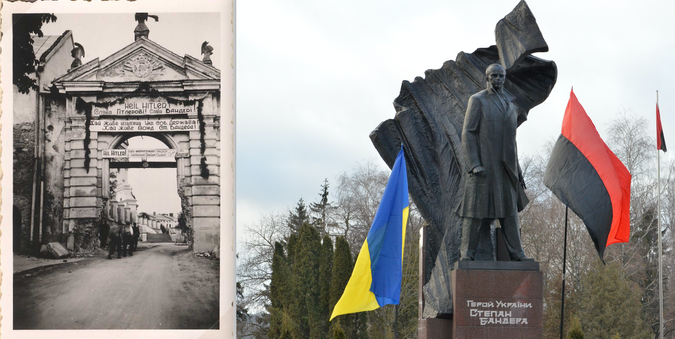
(24, 263)
(163, 286)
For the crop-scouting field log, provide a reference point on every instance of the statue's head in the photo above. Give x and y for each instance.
(77, 51)
(495, 76)
(207, 50)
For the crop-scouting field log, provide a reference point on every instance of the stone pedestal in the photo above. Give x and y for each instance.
(476, 284)
(494, 299)
(434, 328)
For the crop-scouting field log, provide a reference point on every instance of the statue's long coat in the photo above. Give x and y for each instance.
(489, 140)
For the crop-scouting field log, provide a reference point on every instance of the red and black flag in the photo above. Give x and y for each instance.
(660, 139)
(587, 177)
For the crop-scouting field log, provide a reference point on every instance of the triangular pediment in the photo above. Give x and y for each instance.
(143, 60)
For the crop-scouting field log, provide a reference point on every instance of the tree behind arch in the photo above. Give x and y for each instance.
(24, 59)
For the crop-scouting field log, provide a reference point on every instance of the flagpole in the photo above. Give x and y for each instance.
(658, 174)
(562, 307)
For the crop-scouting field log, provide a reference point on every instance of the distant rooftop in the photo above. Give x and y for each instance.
(159, 216)
(43, 45)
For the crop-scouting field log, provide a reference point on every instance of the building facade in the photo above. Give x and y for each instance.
(77, 125)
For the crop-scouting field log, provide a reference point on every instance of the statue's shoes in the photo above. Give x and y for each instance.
(466, 259)
(525, 258)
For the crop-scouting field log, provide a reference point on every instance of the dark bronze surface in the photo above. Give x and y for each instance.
(429, 119)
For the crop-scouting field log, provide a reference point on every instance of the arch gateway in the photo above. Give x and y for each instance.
(90, 111)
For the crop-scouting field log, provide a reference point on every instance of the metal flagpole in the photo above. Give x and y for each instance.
(562, 307)
(658, 174)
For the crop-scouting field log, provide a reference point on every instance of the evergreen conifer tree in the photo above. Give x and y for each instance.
(406, 321)
(290, 249)
(298, 217)
(575, 330)
(342, 270)
(279, 292)
(320, 209)
(610, 305)
(306, 273)
(338, 333)
(242, 311)
(353, 325)
(360, 321)
(325, 277)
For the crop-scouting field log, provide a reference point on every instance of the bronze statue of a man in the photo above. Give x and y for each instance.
(494, 188)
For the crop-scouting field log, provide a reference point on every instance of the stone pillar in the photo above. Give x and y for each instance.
(120, 214)
(80, 185)
(54, 141)
(204, 193)
(105, 171)
(106, 209)
(114, 213)
(133, 211)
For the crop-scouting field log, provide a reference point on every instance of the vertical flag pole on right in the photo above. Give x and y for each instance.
(660, 146)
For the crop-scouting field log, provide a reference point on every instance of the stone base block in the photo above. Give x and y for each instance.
(53, 250)
(206, 234)
(70, 243)
(497, 303)
(434, 328)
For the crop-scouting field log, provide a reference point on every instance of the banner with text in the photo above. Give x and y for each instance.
(143, 106)
(145, 153)
(175, 125)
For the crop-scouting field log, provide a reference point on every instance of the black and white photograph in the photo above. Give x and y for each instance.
(121, 123)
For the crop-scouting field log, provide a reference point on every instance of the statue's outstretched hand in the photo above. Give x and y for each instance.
(478, 170)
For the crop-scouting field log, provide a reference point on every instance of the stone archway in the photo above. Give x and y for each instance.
(197, 166)
(177, 103)
(172, 143)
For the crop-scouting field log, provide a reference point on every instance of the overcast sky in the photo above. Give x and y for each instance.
(314, 78)
(103, 34)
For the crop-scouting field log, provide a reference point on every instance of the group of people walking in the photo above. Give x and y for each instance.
(123, 239)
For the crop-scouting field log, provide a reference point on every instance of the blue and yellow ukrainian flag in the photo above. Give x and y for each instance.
(376, 279)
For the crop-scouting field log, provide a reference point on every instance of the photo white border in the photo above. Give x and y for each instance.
(227, 168)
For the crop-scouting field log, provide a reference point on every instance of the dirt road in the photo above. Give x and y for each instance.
(160, 287)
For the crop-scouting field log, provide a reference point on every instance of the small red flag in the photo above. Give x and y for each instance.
(660, 139)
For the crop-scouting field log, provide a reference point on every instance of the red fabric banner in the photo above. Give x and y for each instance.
(660, 139)
(586, 175)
